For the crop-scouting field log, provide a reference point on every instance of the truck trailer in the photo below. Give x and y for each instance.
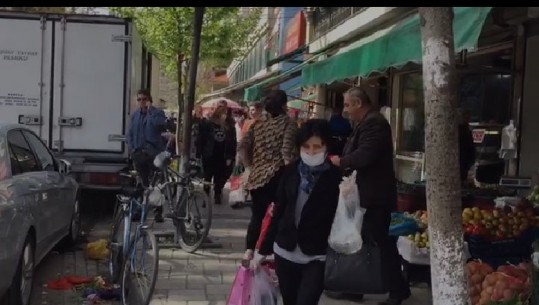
(73, 79)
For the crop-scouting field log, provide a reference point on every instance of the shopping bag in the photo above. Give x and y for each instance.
(357, 273)
(237, 192)
(235, 196)
(235, 179)
(263, 290)
(345, 236)
(265, 225)
(241, 287)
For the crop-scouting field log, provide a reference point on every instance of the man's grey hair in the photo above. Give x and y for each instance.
(360, 94)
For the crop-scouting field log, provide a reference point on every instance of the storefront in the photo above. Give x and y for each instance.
(485, 99)
(372, 58)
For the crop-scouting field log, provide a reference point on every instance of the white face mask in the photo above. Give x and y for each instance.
(313, 160)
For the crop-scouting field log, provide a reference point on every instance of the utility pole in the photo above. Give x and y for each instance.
(449, 281)
(189, 105)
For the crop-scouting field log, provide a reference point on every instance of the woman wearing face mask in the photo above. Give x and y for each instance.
(303, 215)
(219, 152)
(266, 148)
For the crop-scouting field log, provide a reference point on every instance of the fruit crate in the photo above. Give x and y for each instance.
(482, 248)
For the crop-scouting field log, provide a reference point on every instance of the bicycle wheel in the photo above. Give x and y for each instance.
(139, 274)
(194, 220)
(116, 244)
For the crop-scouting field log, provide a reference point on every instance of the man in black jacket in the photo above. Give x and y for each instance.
(370, 151)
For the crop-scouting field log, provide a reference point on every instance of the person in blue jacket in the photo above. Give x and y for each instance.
(144, 138)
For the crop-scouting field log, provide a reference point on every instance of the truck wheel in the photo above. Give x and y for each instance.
(20, 291)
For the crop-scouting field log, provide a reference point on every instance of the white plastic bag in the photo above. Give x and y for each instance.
(264, 290)
(345, 236)
(236, 196)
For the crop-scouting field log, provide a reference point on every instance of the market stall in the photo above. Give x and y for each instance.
(499, 232)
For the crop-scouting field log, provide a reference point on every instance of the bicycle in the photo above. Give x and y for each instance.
(186, 202)
(129, 248)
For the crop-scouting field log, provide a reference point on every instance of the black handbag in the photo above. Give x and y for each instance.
(358, 273)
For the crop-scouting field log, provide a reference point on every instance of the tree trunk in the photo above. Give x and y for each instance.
(180, 102)
(449, 282)
(187, 114)
(186, 76)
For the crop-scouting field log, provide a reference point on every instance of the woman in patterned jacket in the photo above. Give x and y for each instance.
(266, 148)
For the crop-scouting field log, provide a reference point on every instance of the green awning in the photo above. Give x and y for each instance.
(253, 93)
(298, 104)
(397, 46)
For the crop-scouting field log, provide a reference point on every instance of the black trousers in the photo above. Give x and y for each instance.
(143, 164)
(216, 169)
(300, 284)
(376, 229)
(262, 197)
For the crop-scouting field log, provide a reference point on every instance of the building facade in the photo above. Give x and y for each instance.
(379, 49)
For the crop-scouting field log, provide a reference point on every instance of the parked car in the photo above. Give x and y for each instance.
(39, 207)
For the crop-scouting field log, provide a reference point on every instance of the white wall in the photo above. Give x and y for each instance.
(529, 154)
(370, 18)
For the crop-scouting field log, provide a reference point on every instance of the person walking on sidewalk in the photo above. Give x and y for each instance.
(270, 143)
(219, 151)
(255, 112)
(303, 215)
(370, 151)
(144, 139)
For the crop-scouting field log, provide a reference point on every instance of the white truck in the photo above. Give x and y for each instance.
(72, 78)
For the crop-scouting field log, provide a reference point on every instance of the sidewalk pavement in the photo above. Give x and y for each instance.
(203, 278)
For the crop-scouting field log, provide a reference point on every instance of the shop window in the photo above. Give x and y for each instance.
(486, 97)
(412, 123)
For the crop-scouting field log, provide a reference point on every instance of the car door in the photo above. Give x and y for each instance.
(28, 179)
(59, 193)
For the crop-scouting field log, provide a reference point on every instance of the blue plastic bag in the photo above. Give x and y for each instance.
(402, 225)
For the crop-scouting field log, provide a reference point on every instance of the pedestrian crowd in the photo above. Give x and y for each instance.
(295, 171)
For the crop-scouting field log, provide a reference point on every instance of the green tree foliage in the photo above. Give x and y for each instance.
(53, 10)
(167, 32)
(50, 10)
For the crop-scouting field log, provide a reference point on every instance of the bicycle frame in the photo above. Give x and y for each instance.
(140, 226)
(186, 185)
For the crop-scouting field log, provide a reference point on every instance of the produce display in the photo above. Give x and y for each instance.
(420, 238)
(507, 283)
(499, 223)
(492, 224)
(402, 224)
(534, 196)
